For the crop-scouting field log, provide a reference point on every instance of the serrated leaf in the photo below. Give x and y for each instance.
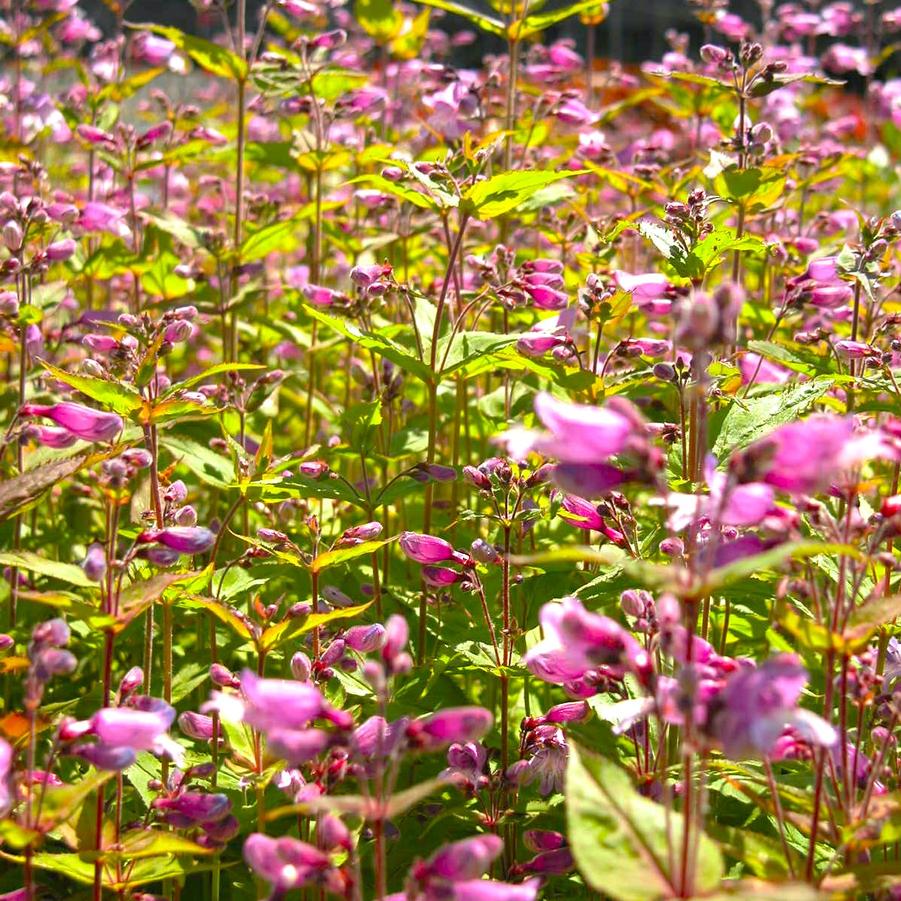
(119, 397)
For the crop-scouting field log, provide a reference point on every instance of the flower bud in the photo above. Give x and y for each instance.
(94, 563)
(301, 667)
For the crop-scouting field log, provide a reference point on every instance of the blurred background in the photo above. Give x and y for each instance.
(634, 31)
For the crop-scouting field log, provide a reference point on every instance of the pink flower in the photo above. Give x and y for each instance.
(152, 49)
(455, 724)
(83, 422)
(100, 217)
(280, 703)
(184, 539)
(7, 786)
(577, 641)
(804, 457)
(757, 704)
(426, 548)
(285, 863)
(758, 368)
(646, 287)
(576, 433)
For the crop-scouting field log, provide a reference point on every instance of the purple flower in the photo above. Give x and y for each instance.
(453, 874)
(121, 729)
(94, 563)
(183, 539)
(83, 422)
(298, 747)
(196, 807)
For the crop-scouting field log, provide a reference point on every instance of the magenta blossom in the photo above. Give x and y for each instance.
(183, 539)
(453, 725)
(83, 422)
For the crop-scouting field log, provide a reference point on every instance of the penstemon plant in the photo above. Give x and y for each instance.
(434, 473)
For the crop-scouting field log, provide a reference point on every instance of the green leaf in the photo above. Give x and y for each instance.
(620, 839)
(540, 21)
(754, 417)
(209, 56)
(480, 20)
(275, 635)
(343, 554)
(378, 344)
(711, 249)
(53, 569)
(115, 395)
(501, 193)
(417, 198)
(206, 464)
(379, 19)
(218, 369)
(62, 802)
(472, 347)
(277, 236)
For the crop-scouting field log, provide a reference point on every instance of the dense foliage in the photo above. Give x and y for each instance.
(449, 484)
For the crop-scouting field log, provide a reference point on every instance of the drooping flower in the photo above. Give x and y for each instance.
(81, 421)
(575, 433)
(577, 641)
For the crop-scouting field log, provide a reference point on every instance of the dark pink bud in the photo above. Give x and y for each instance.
(367, 532)
(330, 40)
(396, 634)
(59, 251)
(463, 860)
(87, 424)
(537, 840)
(301, 667)
(196, 725)
(184, 539)
(223, 676)
(440, 576)
(131, 681)
(569, 712)
(425, 548)
(365, 638)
